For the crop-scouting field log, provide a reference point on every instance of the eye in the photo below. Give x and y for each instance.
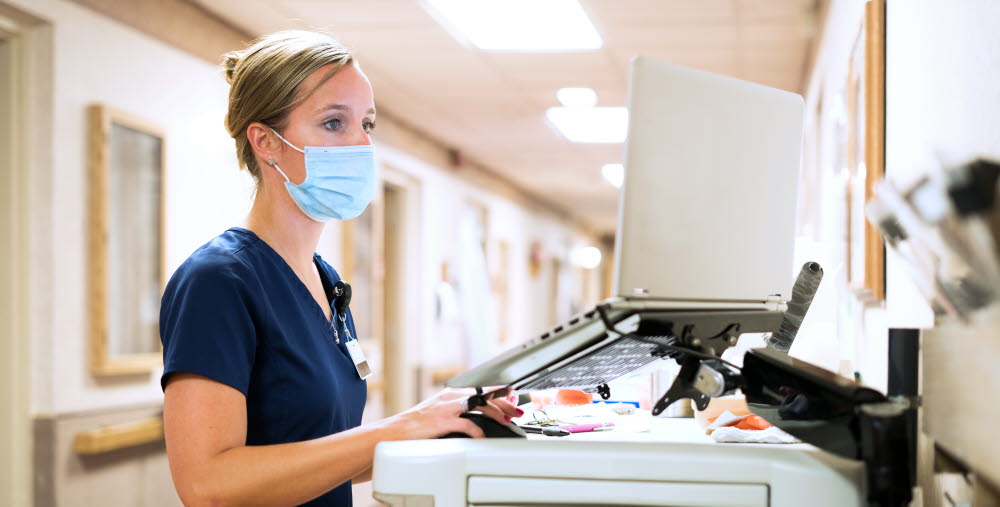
(333, 124)
(369, 126)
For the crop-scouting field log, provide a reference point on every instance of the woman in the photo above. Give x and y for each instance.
(262, 398)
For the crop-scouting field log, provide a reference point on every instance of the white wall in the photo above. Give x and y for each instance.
(98, 60)
(943, 89)
(942, 102)
(841, 333)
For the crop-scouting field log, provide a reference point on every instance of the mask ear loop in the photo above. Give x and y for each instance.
(296, 148)
(274, 164)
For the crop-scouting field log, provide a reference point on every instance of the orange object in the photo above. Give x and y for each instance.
(735, 404)
(753, 422)
(571, 397)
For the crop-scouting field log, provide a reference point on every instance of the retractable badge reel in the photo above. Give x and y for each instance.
(342, 298)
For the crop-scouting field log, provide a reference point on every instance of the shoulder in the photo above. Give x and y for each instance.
(222, 260)
(330, 272)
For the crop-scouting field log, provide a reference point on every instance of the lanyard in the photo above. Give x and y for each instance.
(341, 301)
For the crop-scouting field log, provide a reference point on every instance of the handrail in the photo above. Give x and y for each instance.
(119, 436)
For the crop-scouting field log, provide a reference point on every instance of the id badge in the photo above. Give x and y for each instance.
(360, 363)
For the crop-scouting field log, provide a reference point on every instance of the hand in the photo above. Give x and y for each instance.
(439, 415)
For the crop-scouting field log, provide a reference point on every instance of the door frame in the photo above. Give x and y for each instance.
(402, 335)
(24, 156)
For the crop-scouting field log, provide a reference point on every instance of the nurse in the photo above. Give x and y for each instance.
(262, 398)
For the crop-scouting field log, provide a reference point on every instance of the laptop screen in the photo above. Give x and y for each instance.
(707, 210)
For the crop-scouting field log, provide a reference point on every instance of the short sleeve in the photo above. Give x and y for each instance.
(206, 321)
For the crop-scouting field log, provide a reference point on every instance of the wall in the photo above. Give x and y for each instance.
(943, 70)
(941, 104)
(137, 476)
(942, 73)
(842, 333)
(97, 60)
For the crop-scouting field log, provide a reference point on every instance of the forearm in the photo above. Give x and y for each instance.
(286, 474)
(362, 477)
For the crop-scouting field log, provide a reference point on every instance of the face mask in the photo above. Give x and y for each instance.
(339, 184)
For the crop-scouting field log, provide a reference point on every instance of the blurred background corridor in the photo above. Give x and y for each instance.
(499, 150)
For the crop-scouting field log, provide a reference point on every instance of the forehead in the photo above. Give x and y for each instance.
(348, 86)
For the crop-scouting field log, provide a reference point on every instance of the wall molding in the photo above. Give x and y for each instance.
(179, 23)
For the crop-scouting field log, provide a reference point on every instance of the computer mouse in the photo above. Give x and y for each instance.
(490, 427)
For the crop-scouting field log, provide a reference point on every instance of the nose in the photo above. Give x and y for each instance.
(363, 139)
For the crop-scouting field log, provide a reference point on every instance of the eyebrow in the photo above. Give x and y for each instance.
(340, 107)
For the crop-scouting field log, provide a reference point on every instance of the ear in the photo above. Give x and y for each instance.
(265, 144)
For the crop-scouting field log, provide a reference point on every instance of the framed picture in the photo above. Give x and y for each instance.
(125, 242)
(866, 153)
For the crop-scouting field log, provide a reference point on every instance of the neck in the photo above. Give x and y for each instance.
(278, 222)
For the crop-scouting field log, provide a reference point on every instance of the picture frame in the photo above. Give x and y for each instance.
(126, 257)
(866, 153)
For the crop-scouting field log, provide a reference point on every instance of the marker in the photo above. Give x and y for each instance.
(583, 428)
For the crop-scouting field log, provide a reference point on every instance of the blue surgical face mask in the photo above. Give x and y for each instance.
(339, 184)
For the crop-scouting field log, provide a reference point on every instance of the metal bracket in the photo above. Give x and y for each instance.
(683, 387)
(604, 391)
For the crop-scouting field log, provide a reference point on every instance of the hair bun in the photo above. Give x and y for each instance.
(229, 62)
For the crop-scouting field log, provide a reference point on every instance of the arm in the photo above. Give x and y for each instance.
(205, 425)
(363, 477)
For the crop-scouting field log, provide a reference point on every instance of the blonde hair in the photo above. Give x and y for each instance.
(264, 82)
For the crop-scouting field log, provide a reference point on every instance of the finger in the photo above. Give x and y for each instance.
(494, 413)
(507, 408)
(470, 428)
(498, 391)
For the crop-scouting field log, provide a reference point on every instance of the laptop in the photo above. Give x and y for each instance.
(706, 225)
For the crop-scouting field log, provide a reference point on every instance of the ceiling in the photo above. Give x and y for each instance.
(491, 106)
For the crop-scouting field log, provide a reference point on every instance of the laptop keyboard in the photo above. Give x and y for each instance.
(601, 366)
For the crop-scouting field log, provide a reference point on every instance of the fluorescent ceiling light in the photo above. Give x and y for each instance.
(518, 25)
(590, 124)
(577, 97)
(614, 174)
(586, 257)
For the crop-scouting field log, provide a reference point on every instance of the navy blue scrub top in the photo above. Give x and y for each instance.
(235, 312)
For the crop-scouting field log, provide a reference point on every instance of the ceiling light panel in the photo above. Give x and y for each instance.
(614, 174)
(590, 124)
(517, 25)
(577, 97)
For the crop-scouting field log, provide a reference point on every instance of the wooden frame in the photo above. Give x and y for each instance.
(875, 139)
(119, 436)
(866, 153)
(105, 125)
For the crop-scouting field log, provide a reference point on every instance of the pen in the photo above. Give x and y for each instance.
(551, 431)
